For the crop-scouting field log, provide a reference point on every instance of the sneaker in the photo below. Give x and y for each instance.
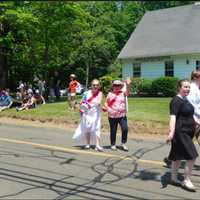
(187, 184)
(113, 147)
(124, 147)
(99, 148)
(87, 146)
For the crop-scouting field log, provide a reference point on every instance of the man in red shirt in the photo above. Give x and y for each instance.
(72, 91)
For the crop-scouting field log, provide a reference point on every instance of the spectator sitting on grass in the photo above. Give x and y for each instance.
(5, 100)
(38, 98)
(27, 103)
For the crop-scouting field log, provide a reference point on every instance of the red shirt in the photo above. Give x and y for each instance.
(72, 86)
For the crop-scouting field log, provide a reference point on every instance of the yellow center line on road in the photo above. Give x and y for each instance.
(67, 150)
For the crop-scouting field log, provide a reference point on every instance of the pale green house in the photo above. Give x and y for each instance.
(166, 42)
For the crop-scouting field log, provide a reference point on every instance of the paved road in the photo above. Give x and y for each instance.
(42, 163)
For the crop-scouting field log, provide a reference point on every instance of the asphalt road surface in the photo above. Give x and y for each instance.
(44, 163)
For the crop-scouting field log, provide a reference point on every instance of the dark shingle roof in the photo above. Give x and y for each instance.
(163, 32)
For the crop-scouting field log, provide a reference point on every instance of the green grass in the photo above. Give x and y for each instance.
(149, 109)
(140, 109)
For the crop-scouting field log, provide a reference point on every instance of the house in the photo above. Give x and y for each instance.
(166, 42)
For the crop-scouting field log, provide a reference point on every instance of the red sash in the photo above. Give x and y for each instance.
(93, 96)
(112, 101)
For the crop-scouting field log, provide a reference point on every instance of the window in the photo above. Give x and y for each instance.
(169, 68)
(136, 69)
(197, 64)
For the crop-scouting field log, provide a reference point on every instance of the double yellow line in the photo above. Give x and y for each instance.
(72, 150)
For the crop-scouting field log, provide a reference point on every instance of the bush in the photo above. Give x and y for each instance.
(141, 87)
(106, 82)
(134, 88)
(164, 86)
(145, 87)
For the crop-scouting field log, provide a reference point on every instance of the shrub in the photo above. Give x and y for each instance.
(145, 87)
(164, 86)
(106, 82)
(134, 88)
(141, 87)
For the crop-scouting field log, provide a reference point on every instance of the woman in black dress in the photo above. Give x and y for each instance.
(182, 128)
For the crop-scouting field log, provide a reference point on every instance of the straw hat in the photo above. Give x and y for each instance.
(72, 76)
(117, 82)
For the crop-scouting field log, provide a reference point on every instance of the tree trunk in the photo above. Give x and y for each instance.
(87, 74)
(3, 68)
(4, 29)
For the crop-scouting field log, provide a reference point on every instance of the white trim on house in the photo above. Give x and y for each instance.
(155, 67)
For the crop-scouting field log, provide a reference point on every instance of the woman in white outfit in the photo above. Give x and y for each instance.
(194, 95)
(88, 131)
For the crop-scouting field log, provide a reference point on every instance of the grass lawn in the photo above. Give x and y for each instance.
(144, 115)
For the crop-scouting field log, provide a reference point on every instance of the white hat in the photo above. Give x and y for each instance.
(72, 75)
(118, 82)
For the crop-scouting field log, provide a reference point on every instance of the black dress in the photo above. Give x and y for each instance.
(182, 146)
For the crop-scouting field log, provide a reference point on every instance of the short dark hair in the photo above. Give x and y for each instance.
(180, 83)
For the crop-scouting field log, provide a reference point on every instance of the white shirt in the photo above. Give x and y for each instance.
(194, 98)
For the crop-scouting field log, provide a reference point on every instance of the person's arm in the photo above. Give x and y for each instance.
(127, 86)
(196, 119)
(172, 124)
(175, 106)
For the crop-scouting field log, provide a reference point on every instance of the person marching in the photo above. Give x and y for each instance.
(89, 129)
(116, 106)
(181, 132)
(72, 91)
(194, 98)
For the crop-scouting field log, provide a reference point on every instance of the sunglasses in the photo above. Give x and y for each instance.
(95, 84)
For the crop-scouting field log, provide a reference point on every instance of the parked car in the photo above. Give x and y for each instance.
(80, 89)
(63, 92)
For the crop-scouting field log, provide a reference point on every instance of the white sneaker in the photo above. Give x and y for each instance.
(99, 148)
(87, 146)
(188, 185)
(113, 147)
(124, 147)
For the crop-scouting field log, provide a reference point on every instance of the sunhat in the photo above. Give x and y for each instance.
(73, 75)
(117, 82)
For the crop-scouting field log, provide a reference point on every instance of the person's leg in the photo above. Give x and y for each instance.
(124, 129)
(113, 130)
(188, 169)
(73, 102)
(174, 170)
(57, 92)
(98, 147)
(87, 138)
(69, 100)
(3, 108)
